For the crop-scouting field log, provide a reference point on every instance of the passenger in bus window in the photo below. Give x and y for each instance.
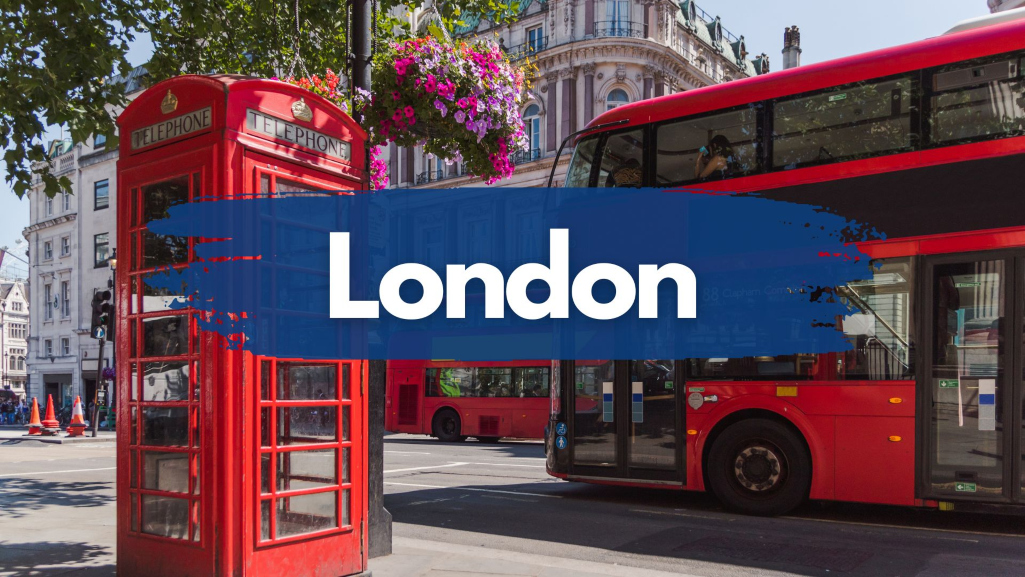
(626, 175)
(715, 159)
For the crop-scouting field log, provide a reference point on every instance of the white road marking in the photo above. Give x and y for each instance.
(56, 472)
(508, 465)
(522, 493)
(425, 468)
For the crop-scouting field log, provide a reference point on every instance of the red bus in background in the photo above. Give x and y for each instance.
(453, 400)
(925, 142)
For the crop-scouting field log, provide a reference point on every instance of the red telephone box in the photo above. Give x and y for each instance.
(229, 463)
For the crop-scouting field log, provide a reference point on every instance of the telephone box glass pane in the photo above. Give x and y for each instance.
(265, 520)
(265, 380)
(134, 383)
(345, 382)
(165, 427)
(301, 382)
(265, 461)
(135, 512)
(165, 381)
(165, 336)
(165, 516)
(157, 299)
(162, 471)
(346, 515)
(159, 197)
(307, 469)
(265, 426)
(134, 469)
(160, 250)
(307, 513)
(195, 521)
(299, 425)
(284, 186)
(345, 423)
(345, 465)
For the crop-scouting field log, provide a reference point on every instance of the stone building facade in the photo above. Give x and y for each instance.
(591, 56)
(71, 240)
(14, 320)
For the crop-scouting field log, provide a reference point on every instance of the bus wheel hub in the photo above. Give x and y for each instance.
(757, 468)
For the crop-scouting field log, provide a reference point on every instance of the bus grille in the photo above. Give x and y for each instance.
(407, 404)
(488, 426)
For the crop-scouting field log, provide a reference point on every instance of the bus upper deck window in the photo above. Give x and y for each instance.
(977, 101)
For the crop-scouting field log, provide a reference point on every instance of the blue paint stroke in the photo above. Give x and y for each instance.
(764, 271)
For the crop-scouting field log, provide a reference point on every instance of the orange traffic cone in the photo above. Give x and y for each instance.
(51, 426)
(34, 426)
(77, 426)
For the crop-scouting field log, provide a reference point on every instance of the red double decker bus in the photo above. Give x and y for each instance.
(926, 142)
(454, 400)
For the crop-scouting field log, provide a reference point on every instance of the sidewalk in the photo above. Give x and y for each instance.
(17, 433)
(422, 558)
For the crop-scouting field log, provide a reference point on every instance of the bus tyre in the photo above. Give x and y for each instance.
(759, 467)
(446, 426)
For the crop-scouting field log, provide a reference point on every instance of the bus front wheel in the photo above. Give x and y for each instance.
(759, 467)
(446, 426)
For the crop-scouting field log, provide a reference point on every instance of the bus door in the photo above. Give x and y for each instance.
(970, 378)
(627, 420)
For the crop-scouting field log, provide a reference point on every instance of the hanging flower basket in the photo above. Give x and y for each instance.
(461, 102)
(108, 373)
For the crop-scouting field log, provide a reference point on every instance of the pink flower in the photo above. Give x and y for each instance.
(409, 111)
(395, 95)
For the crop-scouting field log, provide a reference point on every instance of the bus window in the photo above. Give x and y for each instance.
(681, 146)
(622, 160)
(976, 101)
(579, 173)
(879, 327)
(846, 123)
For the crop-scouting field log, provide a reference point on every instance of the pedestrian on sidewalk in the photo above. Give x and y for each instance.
(21, 414)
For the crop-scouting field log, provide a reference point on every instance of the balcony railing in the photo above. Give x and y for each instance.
(523, 156)
(440, 174)
(618, 28)
(520, 51)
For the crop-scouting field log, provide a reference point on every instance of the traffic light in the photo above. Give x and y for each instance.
(102, 315)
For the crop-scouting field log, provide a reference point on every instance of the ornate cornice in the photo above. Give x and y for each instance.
(48, 223)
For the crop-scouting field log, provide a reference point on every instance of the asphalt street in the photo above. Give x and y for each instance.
(499, 496)
(495, 502)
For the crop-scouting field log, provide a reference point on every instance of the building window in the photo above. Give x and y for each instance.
(532, 118)
(48, 347)
(101, 194)
(66, 199)
(617, 98)
(49, 206)
(101, 249)
(16, 306)
(99, 141)
(65, 299)
(47, 295)
(65, 346)
(535, 39)
(48, 250)
(16, 330)
(618, 16)
(65, 245)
